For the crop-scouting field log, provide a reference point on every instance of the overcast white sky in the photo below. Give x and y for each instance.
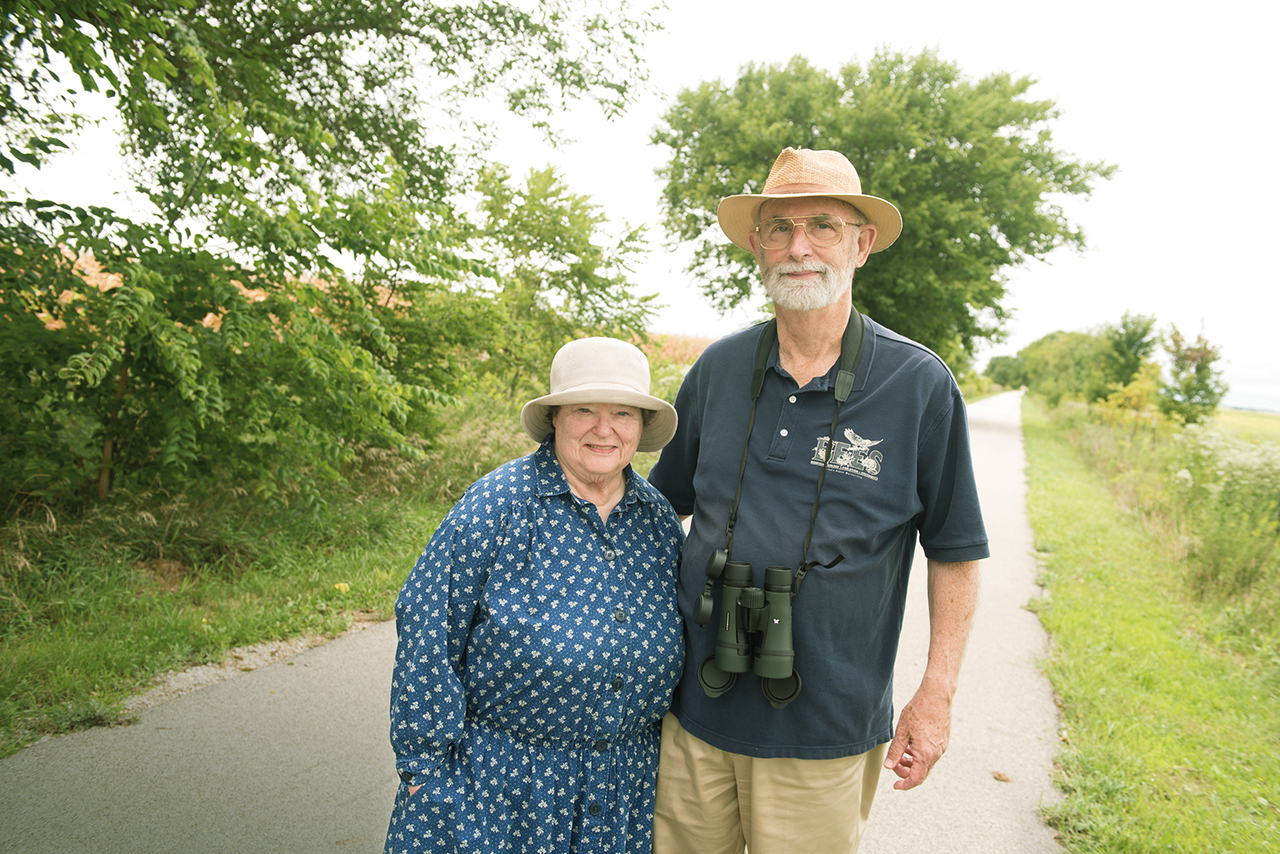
(1181, 97)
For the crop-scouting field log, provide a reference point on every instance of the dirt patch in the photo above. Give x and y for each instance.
(167, 574)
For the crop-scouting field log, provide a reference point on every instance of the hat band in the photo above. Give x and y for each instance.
(797, 189)
(593, 385)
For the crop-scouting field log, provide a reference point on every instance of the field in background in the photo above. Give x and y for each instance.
(1249, 424)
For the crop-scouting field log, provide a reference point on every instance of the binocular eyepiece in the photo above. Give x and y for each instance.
(753, 632)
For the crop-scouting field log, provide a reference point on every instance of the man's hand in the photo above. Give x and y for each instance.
(924, 729)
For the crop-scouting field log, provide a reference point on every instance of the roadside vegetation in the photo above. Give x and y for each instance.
(1156, 524)
(1159, 551)
(95, 607)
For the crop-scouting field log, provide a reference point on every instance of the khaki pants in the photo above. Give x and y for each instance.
(713, 802)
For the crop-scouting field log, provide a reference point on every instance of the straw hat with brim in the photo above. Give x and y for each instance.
(801, 173)
(601, 370)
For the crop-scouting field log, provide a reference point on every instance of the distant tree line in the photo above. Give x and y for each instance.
(1116, 362)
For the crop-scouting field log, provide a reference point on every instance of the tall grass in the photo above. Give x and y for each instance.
(1170, 740)
(1212, 498)
(93, 609)
(1248, 424)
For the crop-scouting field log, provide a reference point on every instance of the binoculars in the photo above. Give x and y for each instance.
(753, 632)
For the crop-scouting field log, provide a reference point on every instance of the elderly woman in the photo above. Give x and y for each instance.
(539, 639)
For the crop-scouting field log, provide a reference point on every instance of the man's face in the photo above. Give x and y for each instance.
(805, 277)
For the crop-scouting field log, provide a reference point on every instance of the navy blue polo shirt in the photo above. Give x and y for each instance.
(900, 469)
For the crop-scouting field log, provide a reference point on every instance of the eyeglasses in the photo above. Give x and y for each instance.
(779, 231)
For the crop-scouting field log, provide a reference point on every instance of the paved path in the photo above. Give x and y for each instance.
(1004, 720)
(293, 757)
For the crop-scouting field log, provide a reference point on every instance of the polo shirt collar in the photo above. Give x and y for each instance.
(827, 382)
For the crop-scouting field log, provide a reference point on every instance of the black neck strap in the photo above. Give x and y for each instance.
(850, 355)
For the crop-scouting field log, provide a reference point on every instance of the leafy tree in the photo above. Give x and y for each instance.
(1094, 366)
(302, 286)
(1067, 364)
(970, 164)
(1132, 343)
(559, 272)
(1195, 386)
(1008, 371)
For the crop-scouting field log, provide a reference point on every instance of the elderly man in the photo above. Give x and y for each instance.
(811, 453)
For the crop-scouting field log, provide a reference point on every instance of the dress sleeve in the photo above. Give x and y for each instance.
(433, 620)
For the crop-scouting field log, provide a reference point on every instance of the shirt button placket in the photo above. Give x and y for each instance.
(599, 762)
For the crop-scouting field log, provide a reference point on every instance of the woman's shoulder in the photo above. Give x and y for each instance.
(500, 488)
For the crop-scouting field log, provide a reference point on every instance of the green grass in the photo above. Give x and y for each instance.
(1170, 743)
(93, 637)
(1248, 424)
(93, 609)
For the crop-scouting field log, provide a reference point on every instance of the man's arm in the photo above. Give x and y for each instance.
(924, 727)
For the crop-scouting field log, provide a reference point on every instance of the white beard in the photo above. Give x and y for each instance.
(831, 285)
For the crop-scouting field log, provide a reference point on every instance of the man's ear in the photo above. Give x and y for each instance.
(866, 238)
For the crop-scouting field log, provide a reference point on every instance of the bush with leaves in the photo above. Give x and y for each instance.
(302, 287)
(1195, 386)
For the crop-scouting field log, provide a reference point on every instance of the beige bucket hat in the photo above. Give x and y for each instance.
(601, 370)
(801, 172)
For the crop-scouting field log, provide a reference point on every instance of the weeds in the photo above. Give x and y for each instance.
(92, 609)
(1169, 739)
(1210, 496)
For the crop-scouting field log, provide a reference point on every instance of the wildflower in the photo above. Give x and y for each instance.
(342, 587)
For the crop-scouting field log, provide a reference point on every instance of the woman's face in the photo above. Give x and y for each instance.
(596, 441)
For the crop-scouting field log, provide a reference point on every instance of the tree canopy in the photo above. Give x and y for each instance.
(310, 276)
(971, 165)
(1195, 386)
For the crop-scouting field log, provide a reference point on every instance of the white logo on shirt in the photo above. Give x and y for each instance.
(853, 457)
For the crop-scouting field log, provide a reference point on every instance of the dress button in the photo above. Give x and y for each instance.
(610, 554)
(601, 745)
(620, 615)
(617, 684)
(595, 809)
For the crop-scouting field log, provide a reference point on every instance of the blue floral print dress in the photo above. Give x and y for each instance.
(538, 648)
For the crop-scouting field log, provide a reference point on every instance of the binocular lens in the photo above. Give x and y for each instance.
(780, 692)
(753, 633)
(715, 563)
(713, 680)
